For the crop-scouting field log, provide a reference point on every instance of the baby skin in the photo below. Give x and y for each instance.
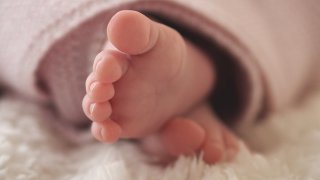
(150, 84)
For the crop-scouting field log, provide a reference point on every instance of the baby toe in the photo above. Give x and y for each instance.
(96, 111)
(107, 131)
(100, 92)
(231, 143)
(90, 79)
(213, 151)
(86, 106)
(110, 67)
(213, 148)
(100, 111)
(142, 35)
(182, 136)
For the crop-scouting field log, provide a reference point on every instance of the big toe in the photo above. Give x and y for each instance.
(132, 32)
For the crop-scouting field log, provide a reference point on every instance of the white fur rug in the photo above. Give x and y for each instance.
(289, 146)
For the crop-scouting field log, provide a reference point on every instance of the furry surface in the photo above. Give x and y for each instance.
(288, 146)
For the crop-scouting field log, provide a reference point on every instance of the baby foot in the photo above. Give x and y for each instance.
(201, 132)
(146, 75)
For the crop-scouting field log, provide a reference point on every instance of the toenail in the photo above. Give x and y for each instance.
(97, 60)
(97, 65)
(92, 107)
(93, 86)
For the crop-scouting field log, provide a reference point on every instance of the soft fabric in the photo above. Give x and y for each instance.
(288, 144)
